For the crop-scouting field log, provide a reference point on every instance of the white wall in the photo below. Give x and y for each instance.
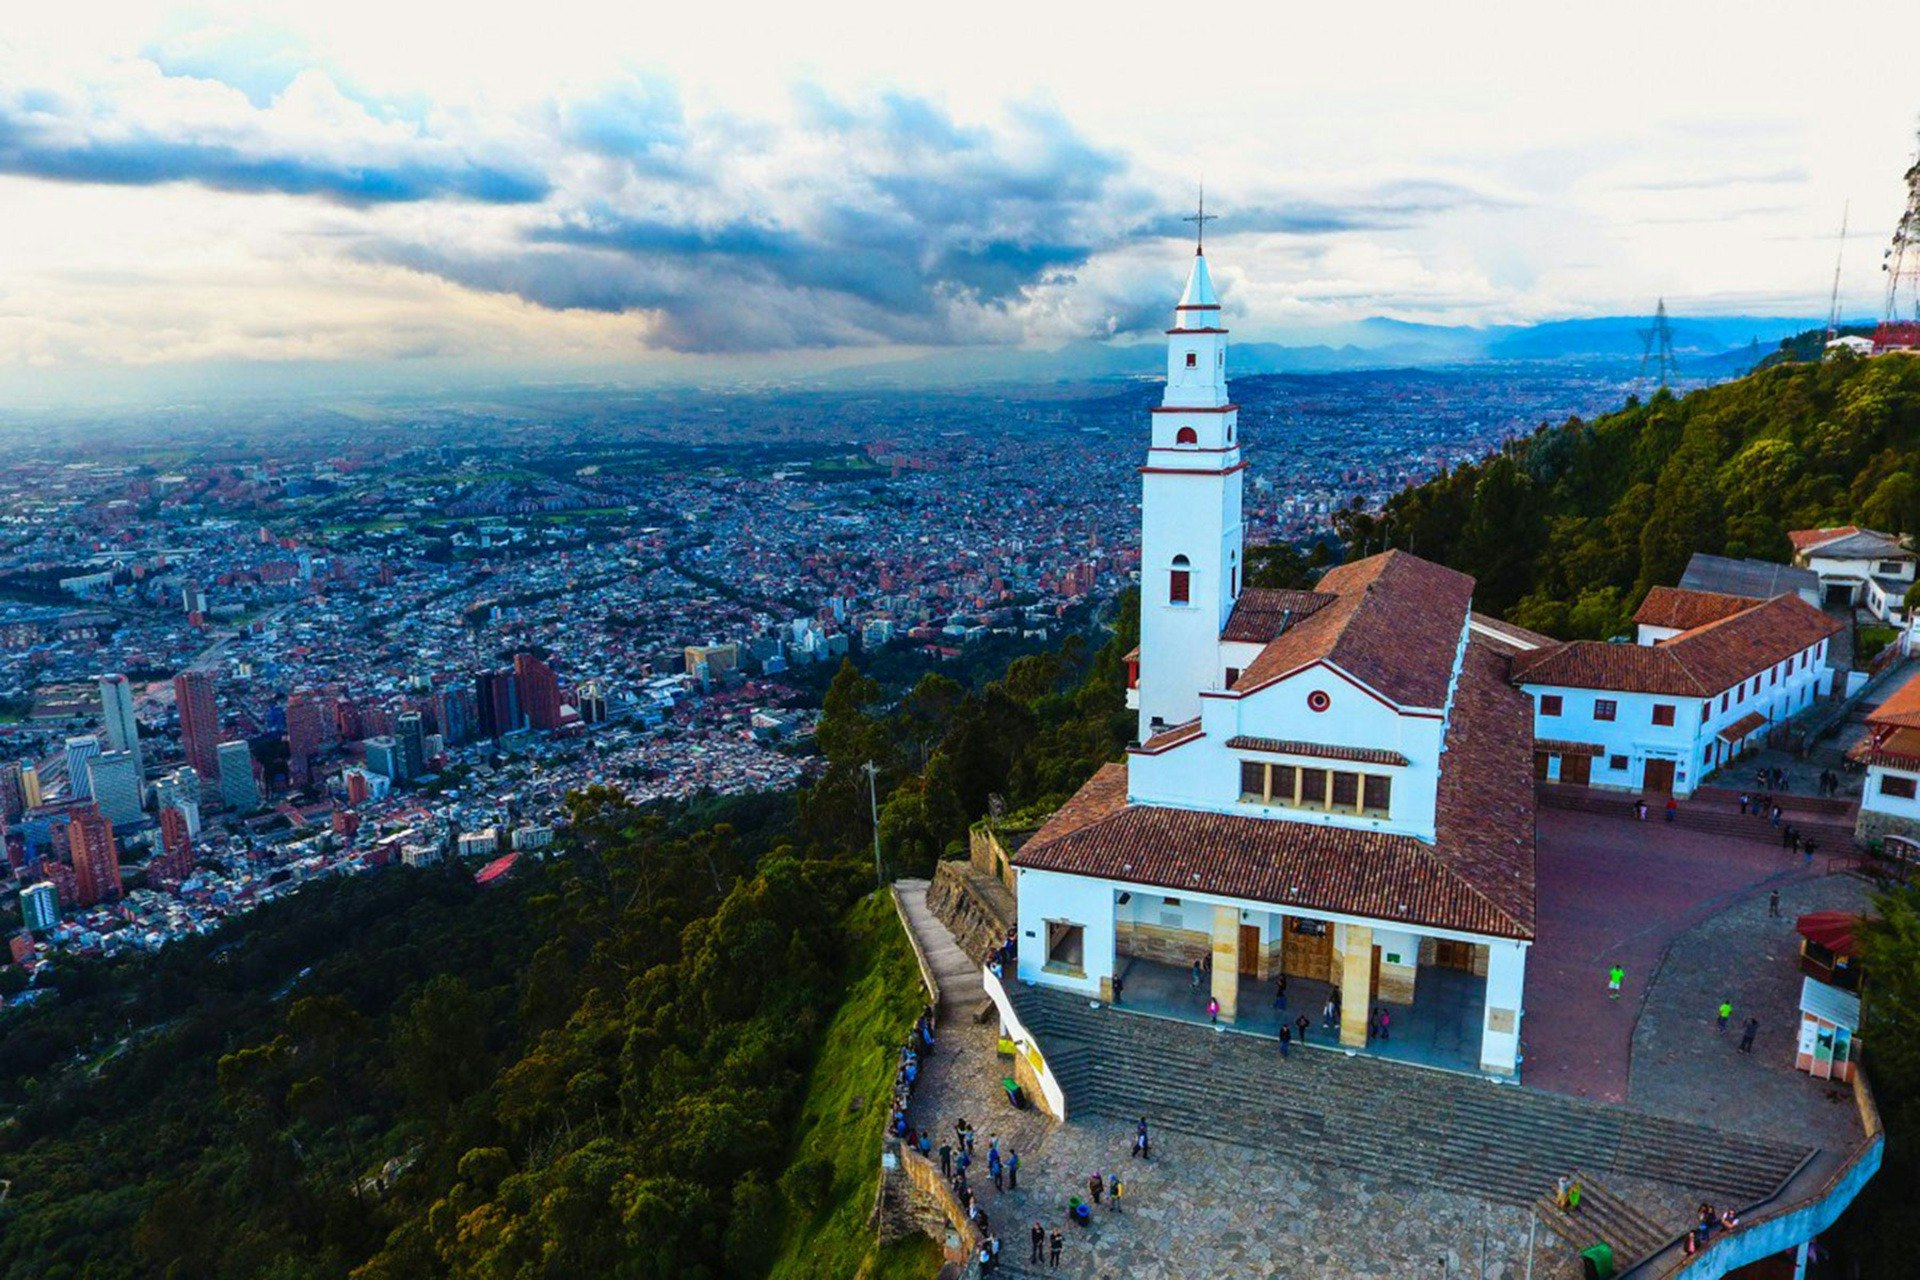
(1506, 984)
(1081, 900)
(1872, 799)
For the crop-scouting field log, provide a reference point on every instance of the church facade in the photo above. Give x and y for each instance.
(1331, 784)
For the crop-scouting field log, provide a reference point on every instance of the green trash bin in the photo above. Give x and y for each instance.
(1597, 1262)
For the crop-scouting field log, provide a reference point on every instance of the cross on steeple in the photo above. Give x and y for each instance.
(1200, 219)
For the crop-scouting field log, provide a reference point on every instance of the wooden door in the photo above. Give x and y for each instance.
(1250, 950)
(1448, 954)
(1373, 980)
(1659, 777)
(1577, 770)
(1540, 761)
(1305, 953)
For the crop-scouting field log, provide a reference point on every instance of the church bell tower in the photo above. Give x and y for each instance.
(1191, 534)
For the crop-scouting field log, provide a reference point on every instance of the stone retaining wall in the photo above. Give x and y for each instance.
(1871, 826)
(916, 1200)
(974, 908)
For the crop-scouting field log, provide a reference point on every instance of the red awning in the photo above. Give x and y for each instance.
(1745, 725)
(1831, 929)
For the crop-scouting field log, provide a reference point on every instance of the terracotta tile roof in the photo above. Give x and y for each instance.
(1901, 707)
(1317, 750)
(1506, 637)
(1562, 747)
(1683, 610)
(1395, 625)
(1740, 728)
(1261, 613)
(1806, 539)
(1477, 876)
(1188, 732)
(1700, 663)
(1897, 749)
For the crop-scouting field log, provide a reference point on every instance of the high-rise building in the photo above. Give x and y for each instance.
(114, 783)
(499, 703)
(30, 793)
(539, 691)
(174, 863)
(306, 734)
(174, 835)
(79, 751)
(180, 790)
(593, 702)
(383, 757)
(96, 859)
(199, 721)
(411, 734)
(123, 730)
(239, 789)
(13, 792)
(40, 906)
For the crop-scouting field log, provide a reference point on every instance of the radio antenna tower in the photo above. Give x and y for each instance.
(1833, 305)
(1902, 263)
(1657, 349)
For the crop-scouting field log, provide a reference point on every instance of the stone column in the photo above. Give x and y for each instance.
(1226, 961)
(1356, 984)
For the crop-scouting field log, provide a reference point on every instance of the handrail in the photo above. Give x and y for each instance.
(927, 977)
(1872, 1146)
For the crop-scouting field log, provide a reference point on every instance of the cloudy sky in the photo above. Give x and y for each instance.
(733, 189)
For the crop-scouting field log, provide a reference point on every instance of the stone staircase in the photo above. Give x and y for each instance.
(1604, 1216)
(1834, 834)
(1397, 1123)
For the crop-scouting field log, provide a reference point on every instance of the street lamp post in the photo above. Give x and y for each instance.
(872, 771)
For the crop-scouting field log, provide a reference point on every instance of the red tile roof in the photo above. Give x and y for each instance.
(1805, 539)
(1506, 637)
(1700, 663)
(1317, 750)
(1261, 613)
(1740, 728)
(1173, 737)
(1683, 610)
(1901, 708)
(1394, 625)
(1477, 876)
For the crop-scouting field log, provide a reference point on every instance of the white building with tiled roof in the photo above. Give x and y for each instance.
(1331, 784)
(1859, 567)
(1710, 675)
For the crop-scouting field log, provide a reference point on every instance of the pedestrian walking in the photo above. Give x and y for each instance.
(946, 1159)
(1640, 809)
(1773, 904)
(1115, 1189)
(1386, 1023)
(1726, 1011)
(1280, 993)
(1673, 808)
(1809, 847)
(1745, 800)
(1774, 816)
(1118, 984)
(1789, 837)
(1301, 1024)
(1013, 1170)
(1095, 1185)
(1038, 1239)
(1615, 976)
(996, 1171)
(1747, 1033)
(1194, 978)
(1213, 1009)
(1053, 1249)
(1286, 1040)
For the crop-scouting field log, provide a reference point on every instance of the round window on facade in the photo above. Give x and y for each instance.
(1318, 700)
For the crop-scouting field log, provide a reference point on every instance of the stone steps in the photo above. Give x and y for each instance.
(1832, 833)
(1603, 1216)
(1501, 1142)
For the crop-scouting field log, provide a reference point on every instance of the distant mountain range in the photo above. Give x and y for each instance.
(1708, 346)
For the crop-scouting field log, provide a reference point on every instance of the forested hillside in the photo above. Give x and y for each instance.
(600, 1067)
(1565, 530)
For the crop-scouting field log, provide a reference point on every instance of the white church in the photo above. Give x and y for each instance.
(1334, 784)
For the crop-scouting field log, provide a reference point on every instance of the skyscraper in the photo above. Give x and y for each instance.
(79, 751)
(239, 789)
(199, 721)
(383, 757)
(96, 859)
(499, 703)
(306, 734)
(13, 792)
(539, 691)
(30, 794)
(114, 784)
(411, 734)
(123, 731)
(180, 790)
(40, 906)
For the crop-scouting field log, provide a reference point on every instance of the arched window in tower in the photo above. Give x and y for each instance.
(1187, 435)
(1180, 582)
(1193, 359)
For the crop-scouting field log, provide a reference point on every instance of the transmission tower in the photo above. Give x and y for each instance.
(1657, 349)
(1833, 305)
(1902, 263)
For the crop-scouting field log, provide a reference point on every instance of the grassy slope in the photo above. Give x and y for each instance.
(857, 1061)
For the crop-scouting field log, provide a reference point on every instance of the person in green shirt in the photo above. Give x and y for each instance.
(1726, 1011)
(1615, 976)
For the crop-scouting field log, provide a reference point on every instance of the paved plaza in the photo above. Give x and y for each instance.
(1686, 913)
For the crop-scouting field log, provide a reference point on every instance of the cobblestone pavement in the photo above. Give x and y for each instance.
(1684, 1065)
(1616, 889)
